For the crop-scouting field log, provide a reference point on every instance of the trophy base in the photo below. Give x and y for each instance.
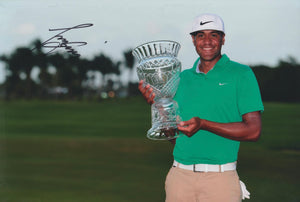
(163, 131)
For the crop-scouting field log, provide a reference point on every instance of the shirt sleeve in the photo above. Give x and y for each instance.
(248, 93)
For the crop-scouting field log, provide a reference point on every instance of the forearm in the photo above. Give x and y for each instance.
(247, 130)
(239, 131)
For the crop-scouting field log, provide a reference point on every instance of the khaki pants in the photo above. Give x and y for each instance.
(188, 186)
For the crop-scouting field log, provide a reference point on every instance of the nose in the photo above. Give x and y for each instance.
(207, 40)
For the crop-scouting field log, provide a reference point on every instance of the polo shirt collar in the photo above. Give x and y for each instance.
(220, 63)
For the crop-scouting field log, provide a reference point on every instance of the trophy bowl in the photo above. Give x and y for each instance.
(159, 67)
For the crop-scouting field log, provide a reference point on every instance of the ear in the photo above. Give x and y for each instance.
(193, 39)
(223, 39)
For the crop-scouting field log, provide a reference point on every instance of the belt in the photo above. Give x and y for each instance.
(206, 167)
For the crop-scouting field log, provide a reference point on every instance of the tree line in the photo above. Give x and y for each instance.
(280, 83)
(62, 75)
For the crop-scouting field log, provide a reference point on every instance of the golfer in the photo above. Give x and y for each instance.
(220, 105)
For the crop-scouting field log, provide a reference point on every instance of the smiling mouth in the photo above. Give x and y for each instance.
(207, 49)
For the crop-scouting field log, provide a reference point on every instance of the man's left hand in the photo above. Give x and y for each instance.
(190, 127)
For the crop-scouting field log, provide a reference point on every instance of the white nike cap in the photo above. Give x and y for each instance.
(208, 21)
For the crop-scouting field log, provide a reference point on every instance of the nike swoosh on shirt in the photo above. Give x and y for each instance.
(222, 84)
(203, 23)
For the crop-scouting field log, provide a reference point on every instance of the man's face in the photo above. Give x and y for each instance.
(208, 44)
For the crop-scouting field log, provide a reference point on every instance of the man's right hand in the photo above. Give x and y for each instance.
(147, 92)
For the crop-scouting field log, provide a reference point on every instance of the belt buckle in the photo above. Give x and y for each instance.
(194, 169)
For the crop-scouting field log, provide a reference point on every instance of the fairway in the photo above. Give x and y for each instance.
(98, 151)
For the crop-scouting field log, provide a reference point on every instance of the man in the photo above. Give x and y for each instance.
(220, 103)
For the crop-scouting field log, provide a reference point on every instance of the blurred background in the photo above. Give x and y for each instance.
(73, 124)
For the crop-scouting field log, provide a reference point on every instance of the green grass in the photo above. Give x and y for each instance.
(88, 151)
(84, 170)
(77, 119)
(281, 126)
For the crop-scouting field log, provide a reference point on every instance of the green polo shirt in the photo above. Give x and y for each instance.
(223, 95)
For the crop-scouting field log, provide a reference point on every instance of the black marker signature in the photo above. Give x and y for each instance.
(63, 42)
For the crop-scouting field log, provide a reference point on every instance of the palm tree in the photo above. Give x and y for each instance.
(12, 79)
(104, 65)
(19, 64)
(129, 62)
(42, 62)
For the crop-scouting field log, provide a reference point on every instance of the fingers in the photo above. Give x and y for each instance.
(171, 132)
(184, 129)
(190, 127)
(147, 92)
(185, 123)
(187, 131)
(149, 95)
(141, 85)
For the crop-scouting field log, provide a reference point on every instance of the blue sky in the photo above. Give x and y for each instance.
(257, 31)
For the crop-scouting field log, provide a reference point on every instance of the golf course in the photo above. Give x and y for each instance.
(97, 151)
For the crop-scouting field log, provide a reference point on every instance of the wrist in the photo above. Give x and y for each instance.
(202, 124)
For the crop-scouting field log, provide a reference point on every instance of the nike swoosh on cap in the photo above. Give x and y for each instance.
(203, 23)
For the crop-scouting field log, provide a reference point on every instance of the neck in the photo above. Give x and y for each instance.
(206, 65)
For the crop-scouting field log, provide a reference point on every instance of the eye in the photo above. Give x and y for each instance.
(200, 35)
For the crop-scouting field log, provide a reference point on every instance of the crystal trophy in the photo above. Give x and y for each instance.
(159, 67)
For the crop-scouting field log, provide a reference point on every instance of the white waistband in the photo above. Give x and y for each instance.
(206, 167)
